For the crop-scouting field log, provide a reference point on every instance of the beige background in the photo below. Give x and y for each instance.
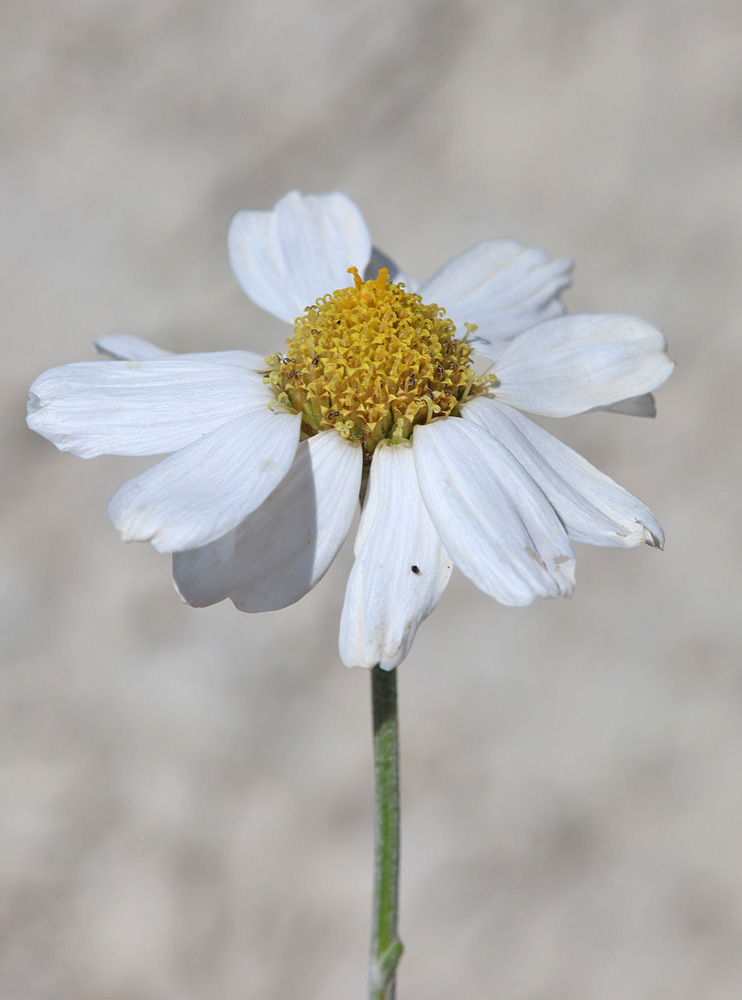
(186, 794)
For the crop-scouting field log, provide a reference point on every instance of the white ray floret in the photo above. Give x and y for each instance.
(288, 258)
(125, 347)
(500, 286)
(575, 363)
(591, 506)
(142, 407)
(400, 570)
(201, 492)
(285, 547)
(493, 519)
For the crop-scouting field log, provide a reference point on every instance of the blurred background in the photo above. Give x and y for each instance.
(185, 796)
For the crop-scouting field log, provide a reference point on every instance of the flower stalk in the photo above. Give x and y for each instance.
(386, 948)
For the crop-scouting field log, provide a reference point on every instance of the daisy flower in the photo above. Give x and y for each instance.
(411, 397)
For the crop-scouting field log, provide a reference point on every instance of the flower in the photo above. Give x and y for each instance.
(378, 388)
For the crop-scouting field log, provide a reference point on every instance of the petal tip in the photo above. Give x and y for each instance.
(180, 594)
(654, 539)
(353, 665)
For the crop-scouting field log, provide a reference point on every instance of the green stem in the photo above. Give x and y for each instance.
(386, 948)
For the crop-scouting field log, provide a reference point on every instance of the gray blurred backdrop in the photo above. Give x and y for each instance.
(186, 795)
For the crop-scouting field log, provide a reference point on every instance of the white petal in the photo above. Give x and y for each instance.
(124, 347)
(205, 490)
(493, 519)
(285, 547)
(576, 363)
(141, 407)
(592, 507)
(247, 359)
(401, 568)
(501, 286)
(286, 259)
(634, 406)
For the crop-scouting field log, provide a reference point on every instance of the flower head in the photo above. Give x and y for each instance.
(372, 361)
(379, 386)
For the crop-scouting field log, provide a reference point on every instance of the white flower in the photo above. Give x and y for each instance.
(269, 455)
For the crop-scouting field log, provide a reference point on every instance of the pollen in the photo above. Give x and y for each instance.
(373, 361)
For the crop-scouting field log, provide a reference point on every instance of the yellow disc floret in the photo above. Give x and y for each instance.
(372, 361)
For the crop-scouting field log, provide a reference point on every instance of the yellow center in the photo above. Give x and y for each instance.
(372, 361)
